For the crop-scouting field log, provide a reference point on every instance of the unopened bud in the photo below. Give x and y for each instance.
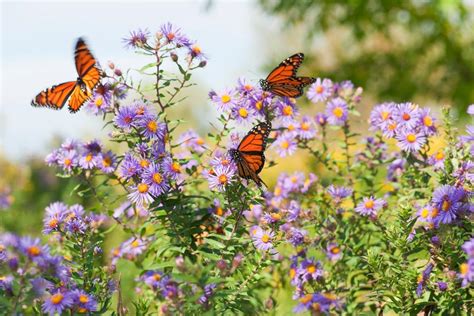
(203, 64)
(174, 57)
(118, 72)
(111, 65)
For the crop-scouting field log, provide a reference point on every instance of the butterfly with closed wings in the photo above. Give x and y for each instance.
(77, 92)
(249, 155)
(283, 82)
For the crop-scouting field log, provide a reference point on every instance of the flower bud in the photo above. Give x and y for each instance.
(179, 261)
(118, 72)
(111, 65)
(221, 265)
(203, 64)
(174, 57)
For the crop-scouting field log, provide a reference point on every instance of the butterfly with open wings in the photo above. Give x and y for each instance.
(283, 82)
(249, 155)
(77, 92)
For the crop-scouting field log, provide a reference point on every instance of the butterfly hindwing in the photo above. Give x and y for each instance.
(283, 82)
(54, 97)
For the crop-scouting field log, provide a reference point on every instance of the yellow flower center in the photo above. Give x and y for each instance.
(107, 161)
(142, 188)
(329, 296)
(284, 144)
(82, 310)
(305, 299)
(196, 49)
(152, 126)
(275, 216)
(385, 115)
(439, 155)
(53, 223)
(292, 273)
(225, 98)
(392, 126)
(219, 211)
(222, 179)
(243, 112)
(294, 179)
(316, 307)
(319, 89)
(265, 238)
(57, 298)
(464, 268)
(248, 87)
(89, 157)
(258, 105)
(335, 250)
(135, 243)
(411, 138)
(157, 178)
(338, 112)
(311, 268)
(83, 298)
(434, 212)
(428, 121)
(157, 277)
(419, 278)
(305, 126)
(176, 167)
(291, 127)
(446, 205)
(287, 110)
(406, 116)
(34, 251)
(200, 141)
(67, 162)
(424, 213)
(277, 191)
(369, 204)
(144, 163)
(98, 102)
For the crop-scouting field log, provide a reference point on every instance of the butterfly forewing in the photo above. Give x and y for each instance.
(54, 97)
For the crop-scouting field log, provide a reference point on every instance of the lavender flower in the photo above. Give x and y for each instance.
(83, 302)
(320, 90)
(466, 272)
(154, 177)
(57, 303)
(338, 193)
(173, 35)
(262, 239)
(370, 206)
(333, 252)
(407, 115)
(336, 111)
(450, 201)
(220, 177)
(137, 38)
(285, 145)
(126, 118)
(410, 141)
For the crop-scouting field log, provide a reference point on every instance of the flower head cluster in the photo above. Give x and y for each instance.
(74, 156)
(103, 97)
(161, 284)
(70, 219)
(423, 279)
(466, 273)
(409, 124)
(317, 303)
(370, 206)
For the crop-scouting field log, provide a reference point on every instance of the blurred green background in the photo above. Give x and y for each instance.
(415, 50)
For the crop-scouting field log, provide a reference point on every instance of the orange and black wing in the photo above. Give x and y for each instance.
(86, 65)
(56, 96)
(286, 69)
(78, 97)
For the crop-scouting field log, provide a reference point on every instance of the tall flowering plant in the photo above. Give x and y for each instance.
(377, 223)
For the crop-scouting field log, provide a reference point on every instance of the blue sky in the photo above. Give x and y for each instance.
(37, 42)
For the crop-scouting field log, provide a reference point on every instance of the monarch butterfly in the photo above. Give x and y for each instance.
(249, 155)
(77, 92)
(283, 82)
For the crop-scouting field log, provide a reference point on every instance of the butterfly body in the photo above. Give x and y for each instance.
(249, 155)
(283, 81)
(76, 93)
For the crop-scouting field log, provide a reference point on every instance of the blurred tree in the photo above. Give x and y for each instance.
(397, 49)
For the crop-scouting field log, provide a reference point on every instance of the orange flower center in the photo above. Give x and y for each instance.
(319, 89)
(196, 49)
(284, 144)
(428, 121)
(223, 179)
(385, 115)
(53, 223)
(135, 243)
(144, 163)
(99, 101)
(275, 216)
(305, 126)
(157, 178)
(316, 307)
(287, 110)
(338, 112)
(67, 162)
(335, 250)
(142, 188)
(258, 105)
(434, 212)
(311, 268)
(157, 277)
(265, 238)
(392, 126)
(243, 112)
(219, 211)
(34, 251)
(369, 204)
(464, 268)
(57, 298)
(170, 36)
(305, 299)
(292, 273)
(446, 205)
(176, 167)
(107, 161)
(439, 155)
(89, 157)
(152, 126)
(406, 116)
(83, 298)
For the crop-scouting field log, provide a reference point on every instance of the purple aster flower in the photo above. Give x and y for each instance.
(443, 286)
(470, 109)
(32, 248)
(129, 166)
(106, 162)
(333, 252)
(221, 158)
(310, 270)
(306, 129)
(173, 35)
(192, 141)
(195, 52)
(244, 86)
(437, 160)
(395, 169)
(87, 160)
(389, 128)
(40, 285)
(427, 122)
(296, 236)
(152, 129)
(407, 115)
(339, 193)
(468, 247)
(126, 117)
(465, 172)
(53, 158)
(285, 109)
(220, 177)
(410, 141)
(101, 100)
(320, 90)
(293, 211)
(76, 226)
(68, 160)
(70, 145)
(83, 302)
(254, 213)
(423, 278)
(56, 208)
(337, 111)
(137, 38)
(321, 119)
(285, 145)
(52, 223)
(466, 272)
(450, 201)
(242, 113)
(225, 100)
(156, 179)
(316, 303)
(381, 114)
(370, 206)
(57, 303)
(132, 248)
(152, 278)
(262, 239)
(140, 194)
